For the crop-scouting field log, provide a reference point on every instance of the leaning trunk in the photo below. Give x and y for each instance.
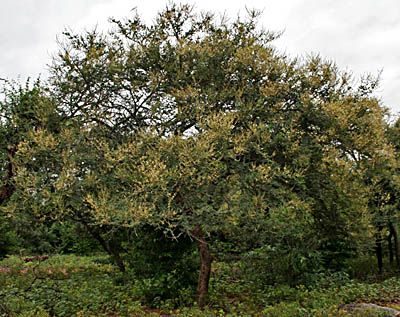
(115, 253)
(390, 247)
(111, 249)
(393, 231)
(5, 193)
(205, 267)
(378, 250)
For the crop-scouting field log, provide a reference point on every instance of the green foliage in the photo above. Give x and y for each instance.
(288, 247)
(230, 150)
(8, 238)
(63, 286)
(71, 237)
(361, 267)
(86, 286)
(165, 268)
(195, 130)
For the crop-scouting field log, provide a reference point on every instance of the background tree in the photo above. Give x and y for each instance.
(23, 110)
(387, 187)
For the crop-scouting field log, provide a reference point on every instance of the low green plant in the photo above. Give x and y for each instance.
(70, 285)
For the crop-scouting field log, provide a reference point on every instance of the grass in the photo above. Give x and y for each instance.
(69, 285)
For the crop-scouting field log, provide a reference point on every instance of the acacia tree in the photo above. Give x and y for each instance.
(394, 192)
(23, 110)
(20, 113)
(200, 128)
(197, 186)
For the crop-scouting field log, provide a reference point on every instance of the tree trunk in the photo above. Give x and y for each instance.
(115, 252)
(378, 250)
(111, 249)
(390, 247)
(393, 231)
(205, 267)
(6, 192)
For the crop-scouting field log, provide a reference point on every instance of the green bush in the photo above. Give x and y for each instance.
(165, 269)
(8, 238)
(63, 286)
(68, 285)
(361, 267)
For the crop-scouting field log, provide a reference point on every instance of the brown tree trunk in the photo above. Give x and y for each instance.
(393, 231)
(205, 267)
(111, 249)
(116, 254)
(390, 247)
(378, 250)
(6, 192)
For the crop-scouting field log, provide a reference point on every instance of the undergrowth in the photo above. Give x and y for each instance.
(69, 285)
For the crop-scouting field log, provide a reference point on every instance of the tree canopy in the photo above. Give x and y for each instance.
(198, 128)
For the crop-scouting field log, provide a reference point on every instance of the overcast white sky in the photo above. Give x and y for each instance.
(359, 35)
